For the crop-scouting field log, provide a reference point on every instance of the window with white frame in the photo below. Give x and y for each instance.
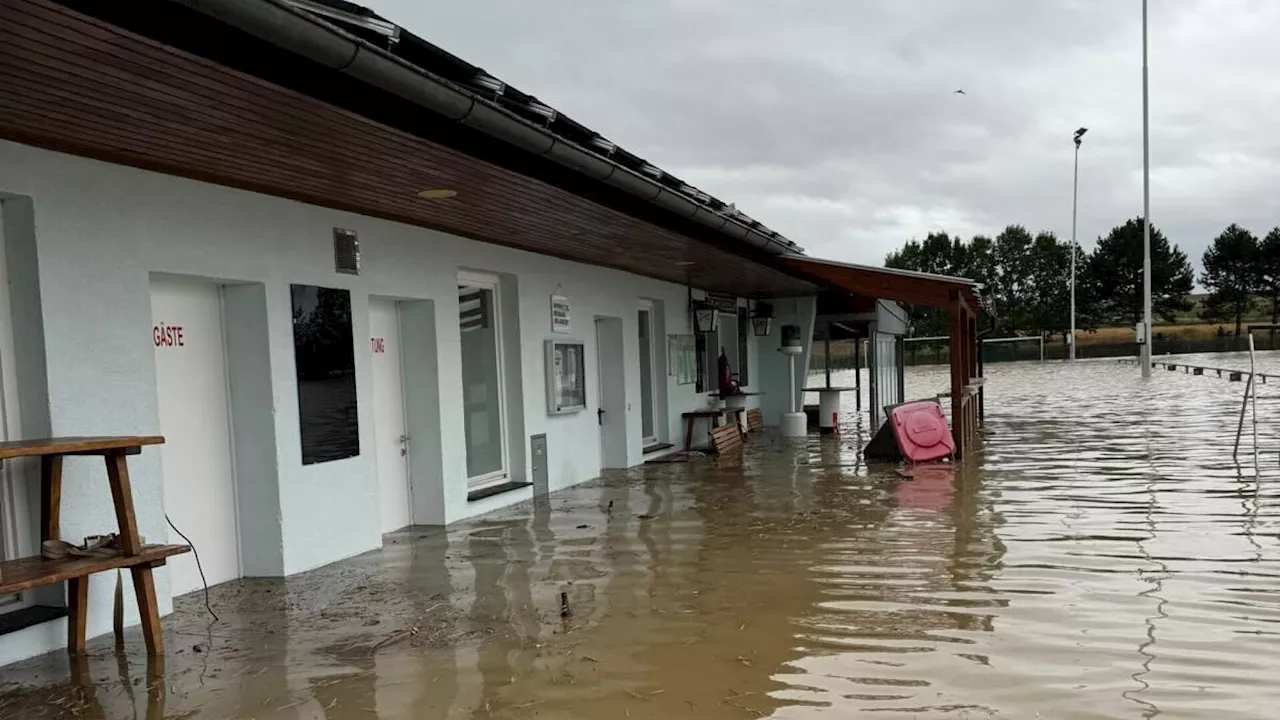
(649, 347)
(483, 368)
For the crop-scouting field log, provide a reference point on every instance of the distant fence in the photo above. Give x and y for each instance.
(936, 353)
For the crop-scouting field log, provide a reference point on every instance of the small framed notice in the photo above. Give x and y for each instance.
(560, 314)
(566, 377)
(681, 360)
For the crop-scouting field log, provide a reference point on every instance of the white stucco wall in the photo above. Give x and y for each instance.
(101, 230)
(774, 370)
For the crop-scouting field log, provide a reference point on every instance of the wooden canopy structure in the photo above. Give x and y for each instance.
(957, 296)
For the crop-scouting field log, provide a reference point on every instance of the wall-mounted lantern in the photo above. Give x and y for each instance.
(705, 317)
(762, 319)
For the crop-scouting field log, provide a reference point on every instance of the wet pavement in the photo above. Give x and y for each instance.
(1101, 556)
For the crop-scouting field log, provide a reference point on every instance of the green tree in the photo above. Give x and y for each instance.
(980, 261)
(1231, 275)
(939, 254)
(942, 254)
(1112, 282)
(1048, 286)
(1029, 275)
(1269, 272)
(1013, 286)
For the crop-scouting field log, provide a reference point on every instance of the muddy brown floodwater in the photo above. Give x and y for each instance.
(1102, 556)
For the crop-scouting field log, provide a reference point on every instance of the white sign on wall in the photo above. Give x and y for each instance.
(560, 314)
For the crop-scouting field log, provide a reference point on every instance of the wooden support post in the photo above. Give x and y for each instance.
(155, 687)
(982, 391)
(50, 497)
(957, 371)
(144, 587)
(975, 363)
(122, 497)
(77, 613)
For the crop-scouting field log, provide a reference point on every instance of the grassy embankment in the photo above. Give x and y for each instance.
(1187, 325)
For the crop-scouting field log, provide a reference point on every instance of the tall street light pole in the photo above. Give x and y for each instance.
(1075, 204)
(1146, 207)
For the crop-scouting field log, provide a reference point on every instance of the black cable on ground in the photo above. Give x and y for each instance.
(196, 553)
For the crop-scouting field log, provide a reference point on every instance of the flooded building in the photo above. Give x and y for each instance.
(356, 283)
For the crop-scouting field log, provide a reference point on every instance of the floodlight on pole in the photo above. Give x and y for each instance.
(1075, 200)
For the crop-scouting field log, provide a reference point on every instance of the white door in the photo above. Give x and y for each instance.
(389, 426)
(191, 382)
(601, 357)
(612, 397)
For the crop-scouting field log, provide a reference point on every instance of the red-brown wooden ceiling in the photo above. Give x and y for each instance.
(79, 85)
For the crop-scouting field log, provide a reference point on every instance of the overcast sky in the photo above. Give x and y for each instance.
(835, 122)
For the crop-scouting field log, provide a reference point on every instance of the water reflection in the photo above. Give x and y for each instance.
(1102, 556)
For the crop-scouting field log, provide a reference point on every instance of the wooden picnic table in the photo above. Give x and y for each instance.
(27, 573)
(715, 415)
(691, 417)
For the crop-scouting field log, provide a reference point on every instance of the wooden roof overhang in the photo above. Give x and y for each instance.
(957, 296)
(208, 103)
(867, 284)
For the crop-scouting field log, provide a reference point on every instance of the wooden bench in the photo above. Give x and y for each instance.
(755, 420)
(726, 439)
(27, 573)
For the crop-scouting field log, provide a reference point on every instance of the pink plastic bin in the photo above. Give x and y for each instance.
(922, 432)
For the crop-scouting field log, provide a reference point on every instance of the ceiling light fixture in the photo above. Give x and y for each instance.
(437, 193)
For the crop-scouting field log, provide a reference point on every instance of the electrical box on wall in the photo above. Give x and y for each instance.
(538, 463)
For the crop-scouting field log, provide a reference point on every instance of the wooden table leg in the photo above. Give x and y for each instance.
(77, 613)
(50, 497)
(688, 433)
(122, 496)
(144, 587)
(155, 687)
